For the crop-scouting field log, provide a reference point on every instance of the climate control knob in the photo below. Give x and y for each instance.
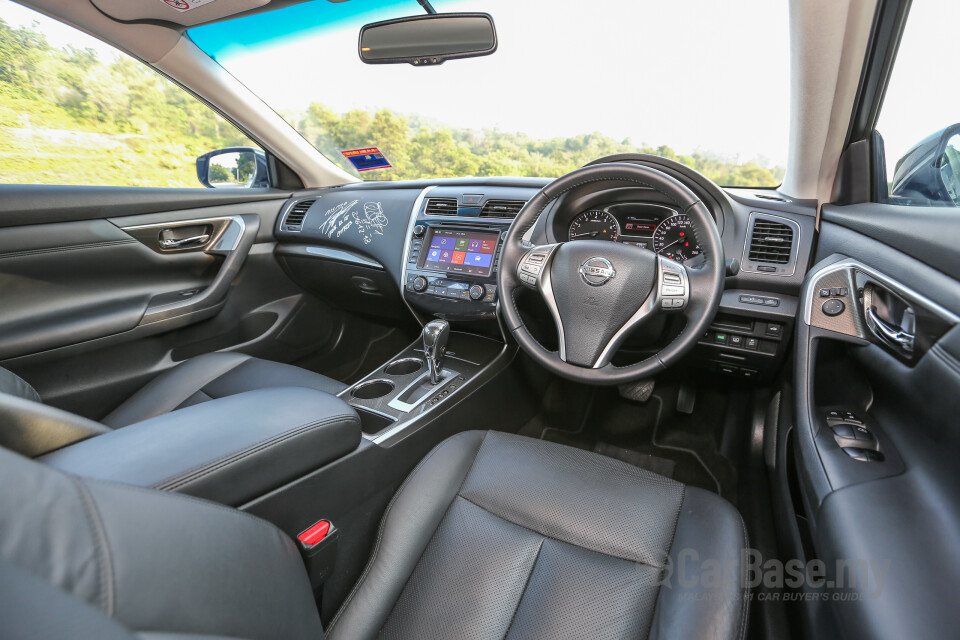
(420, 283)
(419, 230)
(477, 292)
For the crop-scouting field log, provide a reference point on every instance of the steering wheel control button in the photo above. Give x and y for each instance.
(672, 278)
(671, 290)
(833, 307)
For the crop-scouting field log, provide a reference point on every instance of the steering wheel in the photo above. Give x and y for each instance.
(598, 291)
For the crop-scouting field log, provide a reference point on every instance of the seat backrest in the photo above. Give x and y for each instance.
(150, 560)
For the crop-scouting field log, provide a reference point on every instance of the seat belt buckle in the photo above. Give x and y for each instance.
(318, 546)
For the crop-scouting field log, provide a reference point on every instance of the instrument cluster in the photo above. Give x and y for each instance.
(657, 227)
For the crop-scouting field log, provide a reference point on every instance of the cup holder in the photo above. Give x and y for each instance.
(404, 367)
(372, 389)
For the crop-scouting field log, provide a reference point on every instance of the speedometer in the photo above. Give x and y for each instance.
(594, 225)
(674, 238)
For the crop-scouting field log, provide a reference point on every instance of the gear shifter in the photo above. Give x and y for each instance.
(435, 336)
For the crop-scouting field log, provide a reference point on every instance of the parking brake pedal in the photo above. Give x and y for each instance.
(639, 391)
(686, 398)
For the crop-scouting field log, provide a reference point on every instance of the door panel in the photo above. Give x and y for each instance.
(895, 512)
(92, 309)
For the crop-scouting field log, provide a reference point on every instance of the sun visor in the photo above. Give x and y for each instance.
(188, 13)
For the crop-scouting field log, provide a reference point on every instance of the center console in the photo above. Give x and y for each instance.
(452, 257)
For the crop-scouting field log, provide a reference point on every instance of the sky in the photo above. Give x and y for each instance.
(697, 75)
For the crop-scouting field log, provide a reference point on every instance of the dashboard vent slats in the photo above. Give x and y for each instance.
(441, 207)
(771, 242)
(507, 209)
(296, 215)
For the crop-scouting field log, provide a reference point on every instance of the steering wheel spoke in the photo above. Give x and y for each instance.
(670, 294)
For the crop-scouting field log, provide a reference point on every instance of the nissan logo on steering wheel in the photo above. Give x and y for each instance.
(597, 271)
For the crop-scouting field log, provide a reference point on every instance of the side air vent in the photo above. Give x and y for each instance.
(770, 242)
(296, 215)
(502, 208)
(441, 207)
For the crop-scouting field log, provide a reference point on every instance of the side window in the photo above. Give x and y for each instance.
(74, 111)
(920, 117)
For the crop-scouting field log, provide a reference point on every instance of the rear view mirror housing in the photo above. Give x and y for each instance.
(233, 167)
(428, 39)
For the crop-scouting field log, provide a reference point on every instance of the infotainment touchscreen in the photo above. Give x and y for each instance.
(468, 252)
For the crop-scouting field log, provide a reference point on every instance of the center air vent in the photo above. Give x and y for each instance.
(502, 208)
(441, 207)
(770, 242)
(296, 215)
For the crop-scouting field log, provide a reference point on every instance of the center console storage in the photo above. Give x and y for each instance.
(230, 450)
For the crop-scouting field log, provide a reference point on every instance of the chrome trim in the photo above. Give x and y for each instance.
(794, 248)
(415, 423)
(411, 223)
(343, 256)
(904, 291)
(647, 308)
(286, 214)
(407, 407)
(545, 286)
(216, 242)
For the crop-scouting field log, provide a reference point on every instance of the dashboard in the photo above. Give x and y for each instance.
(657, 227)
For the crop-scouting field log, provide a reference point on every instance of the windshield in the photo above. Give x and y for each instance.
(699, 81)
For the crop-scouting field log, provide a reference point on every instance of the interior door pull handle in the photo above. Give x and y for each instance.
(892, 335)
(185, 243)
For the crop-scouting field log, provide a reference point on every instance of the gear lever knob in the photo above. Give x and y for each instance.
(435, 336)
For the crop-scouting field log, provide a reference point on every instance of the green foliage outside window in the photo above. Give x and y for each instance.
(68, 117)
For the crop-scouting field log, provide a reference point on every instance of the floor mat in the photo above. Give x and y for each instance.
(650, 435)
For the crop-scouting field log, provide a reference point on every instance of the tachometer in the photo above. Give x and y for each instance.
(594, 225)
(674, 238)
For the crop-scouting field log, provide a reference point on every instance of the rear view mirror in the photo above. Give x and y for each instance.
(237, 167)
(428, 39)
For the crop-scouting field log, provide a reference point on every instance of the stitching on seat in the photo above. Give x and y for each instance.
(383, 524)
(572, 544)
(105, 578)
(206, 504)
(745, 589)
(533, 568)
(200, 471)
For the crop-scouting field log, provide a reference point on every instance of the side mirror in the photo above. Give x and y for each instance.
(243, 167)
(428, 39)
(929, 173)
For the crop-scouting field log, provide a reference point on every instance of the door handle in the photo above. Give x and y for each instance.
(185, 243)
(892, 335)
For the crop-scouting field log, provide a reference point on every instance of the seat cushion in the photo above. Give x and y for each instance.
(499, 536)
(210, 376)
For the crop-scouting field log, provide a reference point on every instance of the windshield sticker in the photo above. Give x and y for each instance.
(367, 159)
(341, 218)
(185, 5)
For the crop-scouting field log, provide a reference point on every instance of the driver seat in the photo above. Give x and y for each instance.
(492, 536)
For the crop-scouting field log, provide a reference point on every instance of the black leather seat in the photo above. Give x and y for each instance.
(492, 536)
(206, 377)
